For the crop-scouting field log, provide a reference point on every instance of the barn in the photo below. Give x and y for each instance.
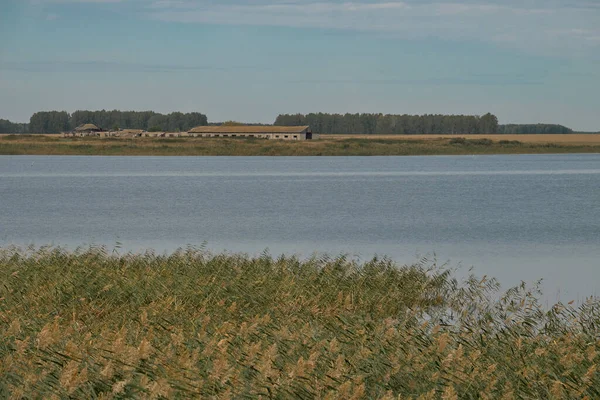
(253, 131)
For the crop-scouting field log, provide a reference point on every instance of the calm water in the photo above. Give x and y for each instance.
(513, 217)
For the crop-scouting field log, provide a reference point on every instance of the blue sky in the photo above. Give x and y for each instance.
(525, 61)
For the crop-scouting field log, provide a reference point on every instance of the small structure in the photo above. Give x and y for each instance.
(84, 130)
(130, 133)
(261, 132)
(87, 130)
(133, 132)
(124, 133)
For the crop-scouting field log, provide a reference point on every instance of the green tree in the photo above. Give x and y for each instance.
(515, 129)
(49, 122)
(12, 127)
(175, 121)
(392, 123)
(488, 123)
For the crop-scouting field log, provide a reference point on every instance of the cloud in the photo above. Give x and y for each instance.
(475, 80)
(539, 26)
(532, 27)
(451, 9)
(114, 66)
(76, 1)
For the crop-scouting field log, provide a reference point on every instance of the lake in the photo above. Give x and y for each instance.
(517, 217)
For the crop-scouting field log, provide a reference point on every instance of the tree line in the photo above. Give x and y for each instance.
(435, 124)
(12, 127)
(516, 129)
(62, 121)
(392, 124)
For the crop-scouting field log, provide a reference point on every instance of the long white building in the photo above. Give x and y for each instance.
(264, 132)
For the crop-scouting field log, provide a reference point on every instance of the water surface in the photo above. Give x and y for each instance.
(517, 217)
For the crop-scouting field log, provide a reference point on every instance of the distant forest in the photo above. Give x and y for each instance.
(512, 129)
(12, 127)
(369, 124)
(62, 121)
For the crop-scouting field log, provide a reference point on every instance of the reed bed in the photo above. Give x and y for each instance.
(95, 324)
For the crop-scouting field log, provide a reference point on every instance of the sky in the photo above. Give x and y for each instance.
(525, 61)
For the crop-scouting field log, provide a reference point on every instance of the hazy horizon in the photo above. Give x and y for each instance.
(252, 60)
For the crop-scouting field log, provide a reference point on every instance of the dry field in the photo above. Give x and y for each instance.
(568, 139)
(328, 145)
(571, 139)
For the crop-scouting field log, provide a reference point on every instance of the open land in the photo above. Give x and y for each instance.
(570, 139)
(327, 145)
(96, 324)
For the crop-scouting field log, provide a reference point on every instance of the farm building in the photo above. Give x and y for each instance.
(85, 130)
(262, 132)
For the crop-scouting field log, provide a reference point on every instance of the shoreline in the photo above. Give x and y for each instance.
(328, 145)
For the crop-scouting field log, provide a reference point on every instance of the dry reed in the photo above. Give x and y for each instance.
(94, 324)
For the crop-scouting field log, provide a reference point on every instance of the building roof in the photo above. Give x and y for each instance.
(87, 127)
(250, 129)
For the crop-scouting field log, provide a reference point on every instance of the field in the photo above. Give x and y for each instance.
(570, 139)
(96, 324)
(328, 145)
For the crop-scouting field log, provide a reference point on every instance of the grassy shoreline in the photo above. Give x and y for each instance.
(95, 324)
(329, 146)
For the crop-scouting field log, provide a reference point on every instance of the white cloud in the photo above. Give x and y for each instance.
(74, 1)
(348, 6)
(166, 4)
(543, 26)
(452, 9)
(530, 27)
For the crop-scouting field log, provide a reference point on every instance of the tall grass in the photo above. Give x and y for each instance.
(95, 324)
